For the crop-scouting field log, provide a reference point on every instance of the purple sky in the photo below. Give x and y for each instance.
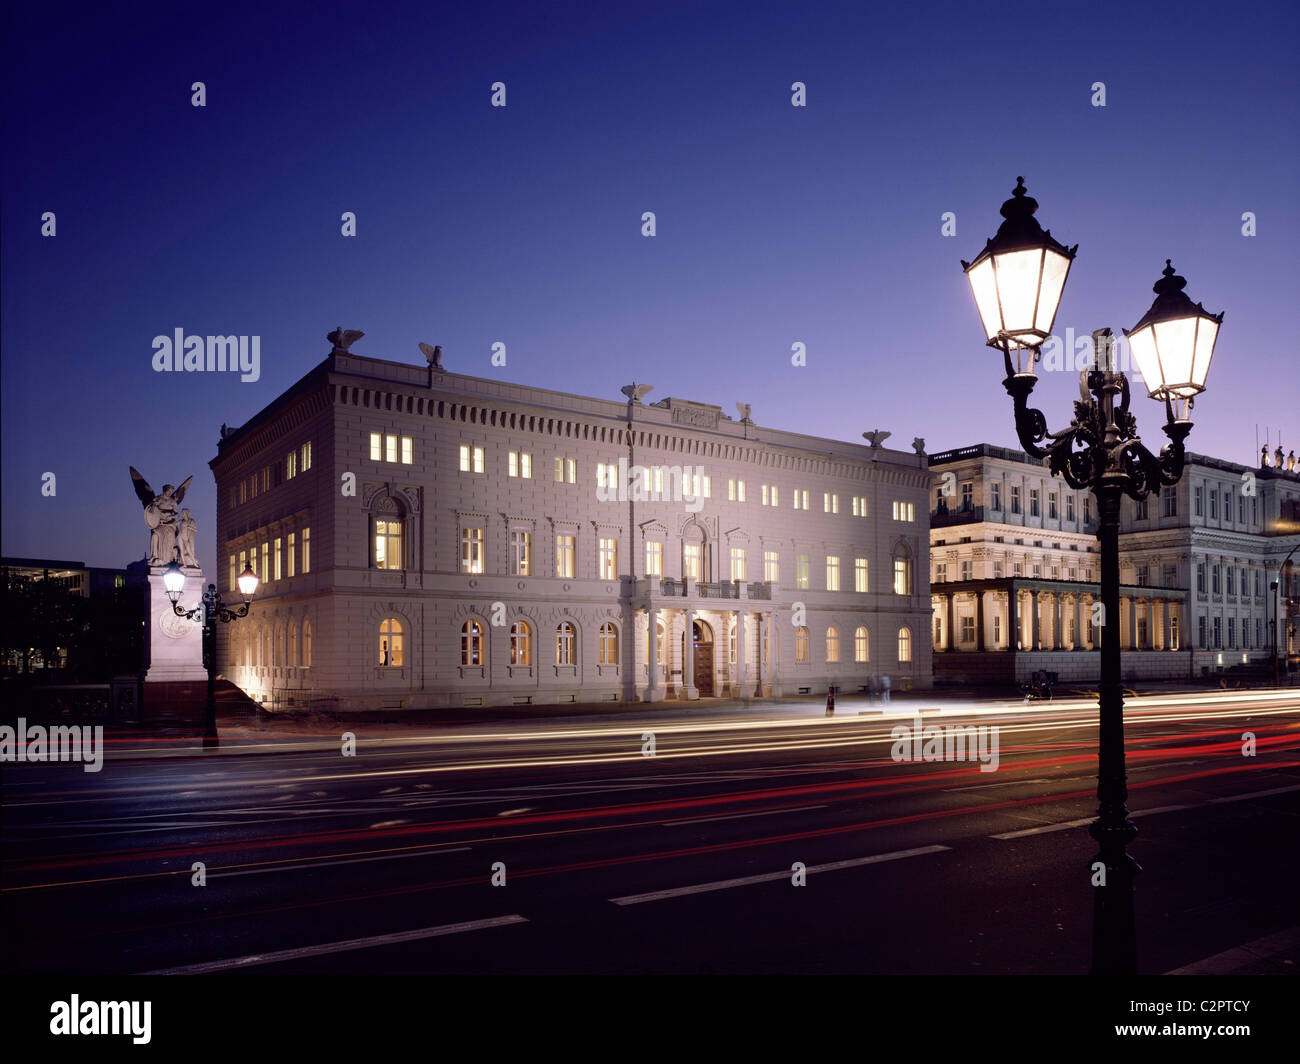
(522, 225)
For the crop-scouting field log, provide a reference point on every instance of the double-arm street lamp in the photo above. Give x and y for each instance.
(1017, 281)
(210, 610)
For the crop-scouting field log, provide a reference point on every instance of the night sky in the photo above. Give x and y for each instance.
(522, 224)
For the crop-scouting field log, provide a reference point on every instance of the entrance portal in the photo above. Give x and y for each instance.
(703, 639)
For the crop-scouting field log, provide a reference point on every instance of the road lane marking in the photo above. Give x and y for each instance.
(1044, 829)
(332, 864)
(1256, 794)
(1244, 956)
(769, 877)
(340, 947)
(739, 816)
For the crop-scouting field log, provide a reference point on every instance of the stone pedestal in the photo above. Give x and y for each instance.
(175, 644)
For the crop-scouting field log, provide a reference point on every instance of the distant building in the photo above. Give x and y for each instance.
(1014, 566)
(427, 538)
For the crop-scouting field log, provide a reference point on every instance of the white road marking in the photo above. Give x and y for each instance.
(768, 877)
(340, 947)
(331, 864)
(1256, 794)
(739, 816)
(1044, 829)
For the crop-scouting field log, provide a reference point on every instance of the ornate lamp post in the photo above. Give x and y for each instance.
(211, 610)
(1017, 281)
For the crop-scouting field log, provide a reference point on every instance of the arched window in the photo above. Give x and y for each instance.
(293, 646)
(832, 644)
(306, 644)
(566, 643)
(471, 643)
(608, 644)
(861, 645)
(905, 644)
(391, 639)
(902, 570)
(278, 646)
(521, 643)
(801, 644)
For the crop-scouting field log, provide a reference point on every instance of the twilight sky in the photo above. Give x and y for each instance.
(522, 224)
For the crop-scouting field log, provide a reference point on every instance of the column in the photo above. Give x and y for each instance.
(1013, 621)
(949, 636)
(1057, 642)
(1132, 623)
(688, 659)
(653, 691)
(1078, 622)
(775, 657)
(979, 620)
(738, 684)
(1036, 637)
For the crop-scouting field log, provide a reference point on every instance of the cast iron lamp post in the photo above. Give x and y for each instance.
(211, 609)
(1017, 281)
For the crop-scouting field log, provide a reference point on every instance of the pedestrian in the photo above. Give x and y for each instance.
(871, 690)
(884, 690)
(830, 701)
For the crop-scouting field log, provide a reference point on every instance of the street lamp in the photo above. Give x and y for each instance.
(210, 610)
(1017, 281)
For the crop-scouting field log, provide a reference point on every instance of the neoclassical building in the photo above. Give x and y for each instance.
(1014, 565)
(430, 539)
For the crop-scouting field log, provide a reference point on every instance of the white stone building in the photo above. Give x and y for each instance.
(431, 539)
(1014, 568)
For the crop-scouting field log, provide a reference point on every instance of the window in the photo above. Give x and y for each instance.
(736, 490)
(691, 561)
(234, 573)
(471, 550)
(801, 644)
(266, 558)
(905, 644)
(293, 645)
(1069, 507)
(608, 644)
(565, 556)
(1140, 508)
(521, 553)
(738, 563)
(1200, 577)
(1143, 577)
(859, 506)
(390, 643)
(860, 575)
(1218, 633)
(1214, 579)
(388, 545)
(967, 496)
(276, 556)
(997, 570)
(243, 561)
(306, 550)
(832, 573)
(1200, 632)
(1227, 505)
(305, 464)
(771, 567)
(995, 496)
(1214, 505)
(266, 478)
(967, 568)
(861, 646)
(1033, 502)
(802, 572)
(291, 465)
(904, 511)
(608, 559)
(1198, 500)
(832, 645)
(566, 470)
(1241, 509)
(521, 464)
(471, 643)
(566, 644)
(1169, 496)
(1015, 498)
(606, 476)
(967, 630)
(1051, 504)
(243, 491)
(941, 572)
(1231, 579)
(765, 496)
(902, 574)
(800, 499)
(289, 554)
(521, 643)
(830, 502)
(471, 458)
(1232, 633)
(654, 559)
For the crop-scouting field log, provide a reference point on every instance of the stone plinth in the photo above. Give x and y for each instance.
(175, 644)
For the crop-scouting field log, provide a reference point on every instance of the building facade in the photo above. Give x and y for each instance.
(430, 539)
(1015, 563)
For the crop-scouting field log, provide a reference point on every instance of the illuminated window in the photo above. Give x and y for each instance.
(565, 556)
(902, 573)
(471, 643)
(471, 550)
(471, 458)
(306, 456)
(608, 559)
(390, 448)
(802, 572)
(772, 566)
(390, 642)
(306, 550)
(521, 553)
(904, 511)
(234, 573)
(861, 645)
(266, 558)
(520, 464)
(566, 470)
(291, 465)
(607, 476)
(738, 563)
(691, 561)
(832, 573)
(832, 645)
(860, 575)
(566, 643)
(654, 559)
(408, 450)
(289, 557)
(801, 644)
(243, 561)
(830, 502)
(377, 447)
(608, 644)
(905, 644)
(521, 643)
(388, 544)
(277, 556)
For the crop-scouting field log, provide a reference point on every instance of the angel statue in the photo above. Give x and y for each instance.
(160, 515)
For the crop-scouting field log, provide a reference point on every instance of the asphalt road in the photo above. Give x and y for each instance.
(684, 861)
